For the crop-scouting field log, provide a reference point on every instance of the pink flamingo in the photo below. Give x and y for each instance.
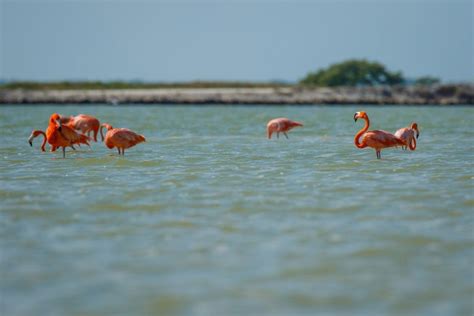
(122, 138)
(407, 134)
(374, 139)
(59, 135)
(281, 124)
(37, 133)
(82, 122)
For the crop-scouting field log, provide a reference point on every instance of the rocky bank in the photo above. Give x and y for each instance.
(416, 95)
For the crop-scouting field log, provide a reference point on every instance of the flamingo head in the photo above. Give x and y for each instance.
(55, 119)
(32, 136)
(30, 139)
(414, 126)
(359, 115)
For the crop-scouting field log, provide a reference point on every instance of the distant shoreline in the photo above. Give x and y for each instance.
(460, 94)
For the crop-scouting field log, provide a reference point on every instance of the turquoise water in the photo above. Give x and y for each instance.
(208, 217)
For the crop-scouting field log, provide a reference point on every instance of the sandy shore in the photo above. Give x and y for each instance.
(446, 94)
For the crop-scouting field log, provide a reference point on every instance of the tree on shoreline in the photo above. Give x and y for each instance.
(353, 73)
(427, 81)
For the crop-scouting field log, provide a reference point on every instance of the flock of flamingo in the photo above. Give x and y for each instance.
(63, 131)
(376, 139)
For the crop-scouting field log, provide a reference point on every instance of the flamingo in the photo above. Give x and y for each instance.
(408, 135)
(37, 133)
(281, 124)
(59, 135)
(82, 122)
(375, 139)
(121, 138)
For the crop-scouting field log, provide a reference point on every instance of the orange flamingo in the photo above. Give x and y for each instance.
(407, 134)
(281, 124)
(122, 138)
(35, 134)
(59, 135)
(375, 139)
(82, 122)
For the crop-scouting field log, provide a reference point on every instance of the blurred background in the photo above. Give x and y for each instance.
(231, 40)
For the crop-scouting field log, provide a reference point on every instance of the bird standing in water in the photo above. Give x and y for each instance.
(407, 134)
(82, 122)
(375, 139)
(282, 125)
(37, 133)
(122, 138)
(59, 135)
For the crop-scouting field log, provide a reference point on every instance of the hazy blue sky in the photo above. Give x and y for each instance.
(231, 40)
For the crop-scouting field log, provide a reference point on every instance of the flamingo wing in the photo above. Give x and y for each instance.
(381, 139)
(72, 136)
(401, 132)
(404, 133)
(127, 138)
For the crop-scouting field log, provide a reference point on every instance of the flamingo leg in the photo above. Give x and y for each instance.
(73, 147)
(123, 151)
(379, 154)
(118, 150)
(286, 135)
(278, 135)
(64, 152)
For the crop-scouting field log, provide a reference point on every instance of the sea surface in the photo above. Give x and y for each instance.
(209, 217)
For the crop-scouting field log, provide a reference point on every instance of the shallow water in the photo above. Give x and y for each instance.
(208, 217)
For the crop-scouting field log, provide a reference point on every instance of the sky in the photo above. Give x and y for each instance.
(260, 40)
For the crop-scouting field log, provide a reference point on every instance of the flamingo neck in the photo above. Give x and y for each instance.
(101, 133)
(295, 124)
(44, 140)
(412, 144)
(360, 133)
(108, 127)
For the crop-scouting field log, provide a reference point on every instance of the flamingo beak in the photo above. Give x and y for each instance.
(355, 117)
(417, 134)
(30, 140)
(59, 124)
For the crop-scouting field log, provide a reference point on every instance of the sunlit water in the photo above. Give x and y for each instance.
(208, 217)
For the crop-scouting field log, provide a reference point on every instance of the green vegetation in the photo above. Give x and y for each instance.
(353, 73)
(427, 81)
(99, 85)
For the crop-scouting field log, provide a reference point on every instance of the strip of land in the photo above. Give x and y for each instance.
(415, 95)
